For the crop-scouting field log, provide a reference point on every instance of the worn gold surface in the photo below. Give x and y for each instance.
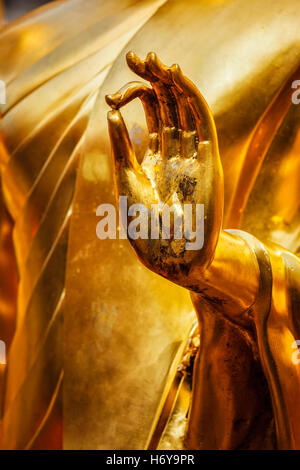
(124, 324)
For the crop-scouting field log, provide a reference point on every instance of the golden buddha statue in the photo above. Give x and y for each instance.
(101, 352)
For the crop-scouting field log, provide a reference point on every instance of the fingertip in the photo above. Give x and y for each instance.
(112, 100)
(114, 116)
(175, 68)
(132, 58)
(176, 73)
(130, 55)
(154, 62)
(137, 65)
(157, 68)
(151, 57)
(151, 63)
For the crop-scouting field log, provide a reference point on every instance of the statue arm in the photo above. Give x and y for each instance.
(182, 137)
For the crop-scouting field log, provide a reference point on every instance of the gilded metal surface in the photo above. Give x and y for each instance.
(54, 86)
(244, 380)
(124, 326)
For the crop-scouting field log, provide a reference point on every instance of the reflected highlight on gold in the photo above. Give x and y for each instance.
(98, 346)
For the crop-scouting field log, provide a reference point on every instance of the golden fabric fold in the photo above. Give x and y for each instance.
(98, 335)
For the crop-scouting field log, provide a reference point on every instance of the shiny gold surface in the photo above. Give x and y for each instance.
(124, 326)
(55, 87)
(246, 299)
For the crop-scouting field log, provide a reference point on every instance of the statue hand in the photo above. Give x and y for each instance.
(181, 166)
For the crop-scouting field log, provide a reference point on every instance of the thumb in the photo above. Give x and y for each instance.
(120, 141)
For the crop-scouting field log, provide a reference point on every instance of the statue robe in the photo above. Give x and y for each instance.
(277, 321)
